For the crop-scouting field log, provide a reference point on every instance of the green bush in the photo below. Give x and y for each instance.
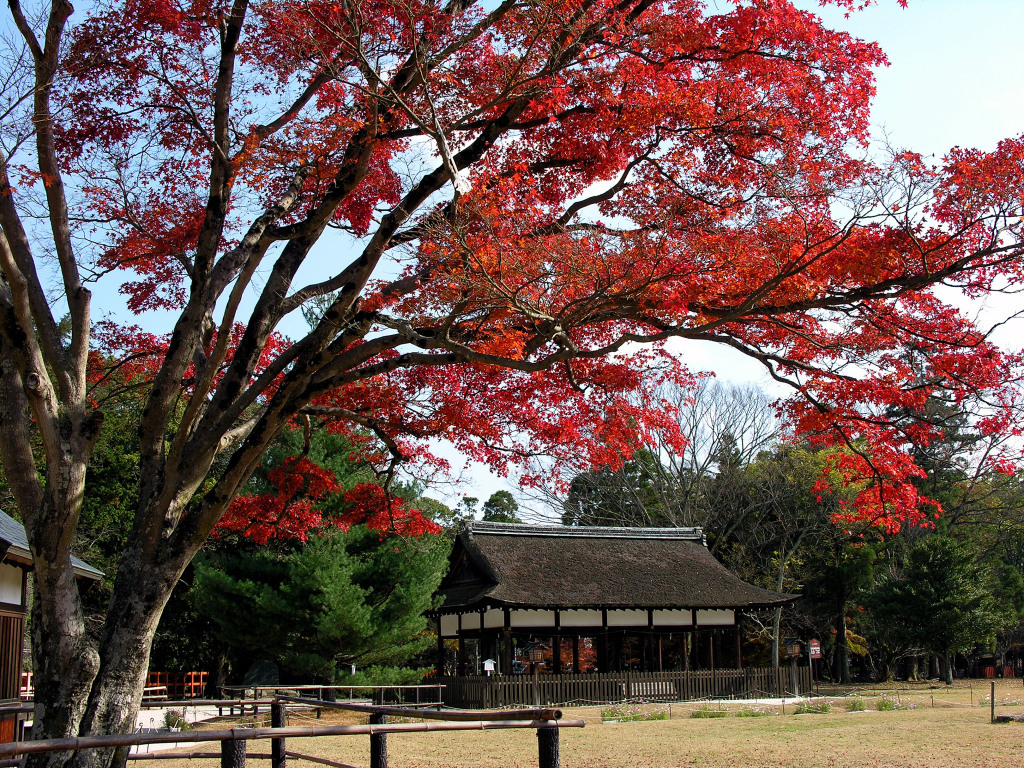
(856, 704)
(175, 718)
(381, 675)
(755, 712)
(890, 704)
(627, 712)
(706, 710)
(808, 707)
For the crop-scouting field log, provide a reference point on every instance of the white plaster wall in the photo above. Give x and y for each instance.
(521, 618)
(715, 618)
(627, 618)
(449, 626)
(494, 618)
(580, 618)
(10, 584)
(673, 618)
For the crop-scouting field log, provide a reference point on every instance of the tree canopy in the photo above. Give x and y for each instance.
(494, 214)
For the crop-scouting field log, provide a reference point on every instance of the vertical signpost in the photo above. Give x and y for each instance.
(815, 653)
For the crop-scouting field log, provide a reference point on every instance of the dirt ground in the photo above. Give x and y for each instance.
(946, 728)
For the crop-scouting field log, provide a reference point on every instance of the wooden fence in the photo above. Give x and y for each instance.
(179, 685)
(524, 690)
(234, 742)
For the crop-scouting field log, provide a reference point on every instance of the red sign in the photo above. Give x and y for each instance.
(815, 649)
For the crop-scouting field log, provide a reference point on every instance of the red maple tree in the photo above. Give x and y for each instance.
(495, 216)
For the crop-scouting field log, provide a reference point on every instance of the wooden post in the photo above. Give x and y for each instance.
(440, 650)
(547, 747)
(506, 652)
(278, 719)
(536, 685)
(992, 703)
(232, 753)
(378, 744)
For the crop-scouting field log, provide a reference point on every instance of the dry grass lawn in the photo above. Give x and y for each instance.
(949, 728)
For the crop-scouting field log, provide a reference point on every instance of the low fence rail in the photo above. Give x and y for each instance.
(519, 690)
(430, 695)
(234, 741)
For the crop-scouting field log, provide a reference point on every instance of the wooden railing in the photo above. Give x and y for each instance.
(519, 690)
(379, 694)
(234, 742)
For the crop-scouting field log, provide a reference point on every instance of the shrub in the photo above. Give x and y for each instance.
(888, 703)
(626, 712)
(856, 704)
(383, 675)
(707, 710)
(1006, 701)
(808, 707)
(755, 712)
(175, 718)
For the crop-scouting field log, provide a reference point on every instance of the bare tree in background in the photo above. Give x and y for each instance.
(721, 424)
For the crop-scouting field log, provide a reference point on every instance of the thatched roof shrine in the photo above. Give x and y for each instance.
(559, 567)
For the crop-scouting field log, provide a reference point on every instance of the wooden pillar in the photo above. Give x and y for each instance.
(506, 658)
(440, 650)
(556, 655)
(661, 653)
(576, 656)
(232, 753)
(547, 747)
(739, 647)
(461, 665)
(711, 650)
(278, 719)
(378, 743)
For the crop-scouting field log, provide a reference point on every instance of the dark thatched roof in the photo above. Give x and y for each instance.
(501, 564)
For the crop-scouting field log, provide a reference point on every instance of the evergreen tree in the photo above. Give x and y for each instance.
(341, 598)
(947, 599)
(501, 507)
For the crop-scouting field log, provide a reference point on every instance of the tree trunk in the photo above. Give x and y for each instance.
(64, 661)
(82, 690)
(946, 668)
(842, 645)
(219, 674)
(776, 624)
(141, 592)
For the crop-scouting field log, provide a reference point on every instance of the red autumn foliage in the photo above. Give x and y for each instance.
(725, 158)
(292, 513)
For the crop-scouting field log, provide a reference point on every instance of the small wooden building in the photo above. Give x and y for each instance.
(577, 601)
(15, 565)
